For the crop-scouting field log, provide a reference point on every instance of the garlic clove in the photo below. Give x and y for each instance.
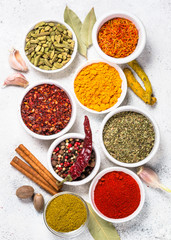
(16, 79)
(16, 61)
(151, 178)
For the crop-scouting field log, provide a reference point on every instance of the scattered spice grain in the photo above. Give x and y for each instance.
(118, 37)
(129, 136)
(98, 86)
(46, 109)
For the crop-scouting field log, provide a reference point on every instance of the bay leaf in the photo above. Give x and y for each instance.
(87, 27)
(101, 229)
(74, 22)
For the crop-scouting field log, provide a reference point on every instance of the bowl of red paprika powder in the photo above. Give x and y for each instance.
(119, 37)
(117, 194)
(47, 110)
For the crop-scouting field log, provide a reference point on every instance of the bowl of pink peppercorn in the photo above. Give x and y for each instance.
(63, 153)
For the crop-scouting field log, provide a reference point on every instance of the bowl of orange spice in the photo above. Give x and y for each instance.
(119, 37)
(100, 86)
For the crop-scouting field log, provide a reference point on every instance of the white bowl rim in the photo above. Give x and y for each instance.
(75, 183)
(156, 130)
(124, 85)
(73, 113)
(72, 56)
(136, 178)
(129, 16)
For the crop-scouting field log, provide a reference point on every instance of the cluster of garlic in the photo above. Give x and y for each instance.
(17, 63)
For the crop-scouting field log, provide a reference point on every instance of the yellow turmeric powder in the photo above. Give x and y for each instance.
(98, 86)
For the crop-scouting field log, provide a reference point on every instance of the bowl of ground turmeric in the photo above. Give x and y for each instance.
(100, 86)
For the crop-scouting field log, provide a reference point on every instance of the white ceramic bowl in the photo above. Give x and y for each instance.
(93, 186)
(124, 86)
(156, 142)
(74, 183)
(141, 41)
(72, 56)
(63, 131)
(71, 234)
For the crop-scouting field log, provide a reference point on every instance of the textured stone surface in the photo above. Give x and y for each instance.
(18, 219)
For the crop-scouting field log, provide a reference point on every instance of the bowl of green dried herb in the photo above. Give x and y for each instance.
(129, 136)
(50, 46)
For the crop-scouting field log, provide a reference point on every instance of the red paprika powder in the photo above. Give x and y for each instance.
(117, 195)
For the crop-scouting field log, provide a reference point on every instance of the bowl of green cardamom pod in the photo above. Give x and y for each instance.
(66, 215)
(50, 46)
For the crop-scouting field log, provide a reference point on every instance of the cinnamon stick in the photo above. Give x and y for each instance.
(30, 170)
(16, 164)
(36, 161)
(37, 168)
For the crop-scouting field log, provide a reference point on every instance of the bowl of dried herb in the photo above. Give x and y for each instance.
(119, 37)
(50, 46)
(129, 136)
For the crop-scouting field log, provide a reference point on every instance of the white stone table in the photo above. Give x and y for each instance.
(18, 219)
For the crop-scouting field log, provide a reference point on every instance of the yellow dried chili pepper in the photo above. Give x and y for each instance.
(137, 88)
(140, 72)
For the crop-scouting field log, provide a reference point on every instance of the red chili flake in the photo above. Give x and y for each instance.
(46, 109)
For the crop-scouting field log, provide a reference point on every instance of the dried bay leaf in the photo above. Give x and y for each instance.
(74, 22)
(87, 26)
(101, 229)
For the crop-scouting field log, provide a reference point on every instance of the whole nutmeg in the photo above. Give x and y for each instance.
(24, 192)
(38, 202)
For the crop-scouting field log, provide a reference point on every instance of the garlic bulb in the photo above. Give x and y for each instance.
(16, 61)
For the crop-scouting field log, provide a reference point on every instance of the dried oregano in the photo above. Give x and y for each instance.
(129, 137)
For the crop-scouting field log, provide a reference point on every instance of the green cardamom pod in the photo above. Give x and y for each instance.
(39, 25)
(36, 60)
(47, 62)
